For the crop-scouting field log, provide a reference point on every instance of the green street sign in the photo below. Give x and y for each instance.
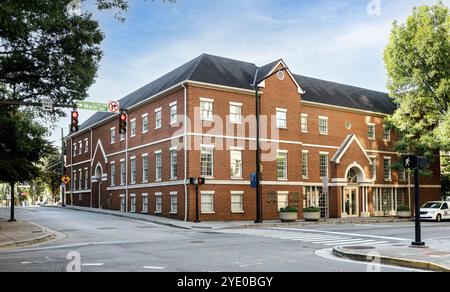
(92, 106)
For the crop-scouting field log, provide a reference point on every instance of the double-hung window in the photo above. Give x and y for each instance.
(173, 203)
(374, 167)
(236, 163)
(158, 118)
(371, 132)
(144, 123)
(133, 203)
(282, 165)
(207, 202)
(323, 125)
(207, 160)
(144, 168)
(173, 163)
(304, 123)
(387, 169)
(122, 172)
(133, 170)
(206, 109)
(144, 203)
(237, 202)
(173, 113)
(113, 173)
(158, 162)
(235, 113)
(158, 203)
(323, 159)
(305, 164)
(281, 118)
(133, 127)
(386, 134)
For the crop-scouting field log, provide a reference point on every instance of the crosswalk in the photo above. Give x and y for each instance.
(327, 239)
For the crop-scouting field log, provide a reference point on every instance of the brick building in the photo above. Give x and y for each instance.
(313, 130)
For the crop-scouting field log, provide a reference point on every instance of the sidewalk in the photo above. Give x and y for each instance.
(434, 257)
(216, 225)
(19, 234)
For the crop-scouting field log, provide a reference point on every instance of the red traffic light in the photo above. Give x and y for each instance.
(123, 117)
(75, 114)
(201, 181)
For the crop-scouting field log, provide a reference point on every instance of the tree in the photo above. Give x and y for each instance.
(22, 145)
(417, 60)
(121, 5)
(46, 53)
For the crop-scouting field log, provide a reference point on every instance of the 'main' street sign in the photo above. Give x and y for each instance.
(92, 106)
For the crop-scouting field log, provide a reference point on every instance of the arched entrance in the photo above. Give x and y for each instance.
(97, 187)
(351, 193)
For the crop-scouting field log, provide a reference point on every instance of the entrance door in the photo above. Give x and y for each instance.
(350, 202)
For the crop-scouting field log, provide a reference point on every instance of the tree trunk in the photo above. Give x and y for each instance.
(13, 201)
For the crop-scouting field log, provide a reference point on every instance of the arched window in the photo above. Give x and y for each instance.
(352, 176)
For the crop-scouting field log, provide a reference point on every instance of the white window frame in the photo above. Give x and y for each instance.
(113, 135)
(173, 163)
(327, 154)
(286, 173)
(145, 123)
(123, 174)
(373, 168)
(326, 119)
(158, 118)
(173, 203)
(74, 180)
(233, 203)
(133, 128)
(158, 203)
(207, 193)
(86, 178)
(369, 126)
(133, 202)
(145, 202)
(304, 123)
(386, 158)
(80, 147)
(283, 120)
(74, 149)
(210, 116)
(80, 179)
(236, 117)
(158, 166)
(285, 202)
(145, 177)
(202, 149)
(86, 145)
(133, 170)
(123, 204)
(387, 134)
(232, 165)
(305, 164)
(112, 177)
(173, 113)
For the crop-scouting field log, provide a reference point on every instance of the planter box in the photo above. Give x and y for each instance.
(288, 216)
(404, 214)
(312, 216)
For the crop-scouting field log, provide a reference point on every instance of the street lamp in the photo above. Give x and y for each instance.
(258, 146)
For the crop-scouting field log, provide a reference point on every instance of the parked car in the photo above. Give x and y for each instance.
(437, 211)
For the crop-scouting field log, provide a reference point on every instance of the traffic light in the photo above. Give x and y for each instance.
(123, 123)
(192, 181)
(74, 123)
(201, 181)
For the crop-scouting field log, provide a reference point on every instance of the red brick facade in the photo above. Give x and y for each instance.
(378, 196)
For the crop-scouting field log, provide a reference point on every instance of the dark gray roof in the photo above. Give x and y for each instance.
(239, 74)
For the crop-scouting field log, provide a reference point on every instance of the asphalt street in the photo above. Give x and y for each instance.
(105, 243)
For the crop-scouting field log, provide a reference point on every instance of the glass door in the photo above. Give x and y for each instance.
(350, 202)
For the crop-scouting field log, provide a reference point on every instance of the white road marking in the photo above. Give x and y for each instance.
(26, 263)
(359, 242)
(342, 233)
(153, 268)
(92, 264)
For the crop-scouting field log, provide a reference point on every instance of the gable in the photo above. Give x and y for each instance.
(345, 147)
(101, 151)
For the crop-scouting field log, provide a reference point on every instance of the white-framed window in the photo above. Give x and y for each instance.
(402, 175)
(133, 170)
(80, 147)
(371, 131)
(122, 203)
(74, 148)
(133, 127)
(207, 202)
(144, 123)
(304, 123)
(173, 203)
(387, 169)
(113, 173)
(206, 109)
(74, 180)
(122, 137)
(305, 164)
(158, 165)
(144, 203)
(323, 158)
(86, 145)
(373, 159)
(158, 203)
(207, 160)
(323, 125)
(235, 113)
(133, 203)
(144, 168)
(80, 179)
(386, 134)
(113, 135)
(158, 118)
(80, 197)
(237, 202)
(173, 163)
(86, 178)
(282, 165)
(122, 172)
(281, 118)
(283, 200)
(236, 163)
(173, 113)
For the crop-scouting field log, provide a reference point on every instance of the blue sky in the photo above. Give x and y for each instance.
(335, 40)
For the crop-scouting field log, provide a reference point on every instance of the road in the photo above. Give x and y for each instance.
(108, 244)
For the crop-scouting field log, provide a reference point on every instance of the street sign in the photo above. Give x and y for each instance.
(8, 197)
(47, 104)
(113, 107)
(93, 106)
(65, 179)
(253, 180)
(414, 162)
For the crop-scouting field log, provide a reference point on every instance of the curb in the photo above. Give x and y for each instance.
(47, 237)
(402, 262)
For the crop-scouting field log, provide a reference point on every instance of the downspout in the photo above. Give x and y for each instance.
(185, 141)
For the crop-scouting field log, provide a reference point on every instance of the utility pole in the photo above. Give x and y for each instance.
(63, 149)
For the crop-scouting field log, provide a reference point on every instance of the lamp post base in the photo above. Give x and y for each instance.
(418, 244)
(12, 220)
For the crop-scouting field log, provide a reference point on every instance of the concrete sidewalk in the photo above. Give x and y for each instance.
(20, 234)
(216, 225)
(434, 257)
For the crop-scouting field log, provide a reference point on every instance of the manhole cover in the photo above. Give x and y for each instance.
(197, 242)
(106, 228)
(36, 231)
(359, 247)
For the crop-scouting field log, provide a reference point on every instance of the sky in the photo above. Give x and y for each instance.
(336, 40)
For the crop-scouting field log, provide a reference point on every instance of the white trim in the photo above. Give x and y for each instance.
(317, 104)
(282, 193)
(78, 163)
(80, 192)
(299, 89)
(144, 155)
(173, 148)
(282, 151)
(233, 148)
(122, 160)
(305, 151)
(383, 152)
(144, 195)
(323, 118)
(358, 166)
(237, 192)
(208, 192)
(207, 99)
(147, 185)
(173, 103)
(158, 152)
(99, 144)
(158, 110)
(324, 153)
(283, 110)
(145, 115)
(236, 104)
(353, 139)
(132, 195)
(207, 146)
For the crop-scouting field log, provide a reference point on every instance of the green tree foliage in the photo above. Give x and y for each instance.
(417, 59)
(120, 5)
(46, 52)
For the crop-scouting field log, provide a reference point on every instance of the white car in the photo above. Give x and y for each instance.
(437, 211)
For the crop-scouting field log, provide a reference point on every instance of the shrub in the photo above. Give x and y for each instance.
(403, 209)
(289, 210)
(311, 210)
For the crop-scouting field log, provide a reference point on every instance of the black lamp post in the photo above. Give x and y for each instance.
(258, 146)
